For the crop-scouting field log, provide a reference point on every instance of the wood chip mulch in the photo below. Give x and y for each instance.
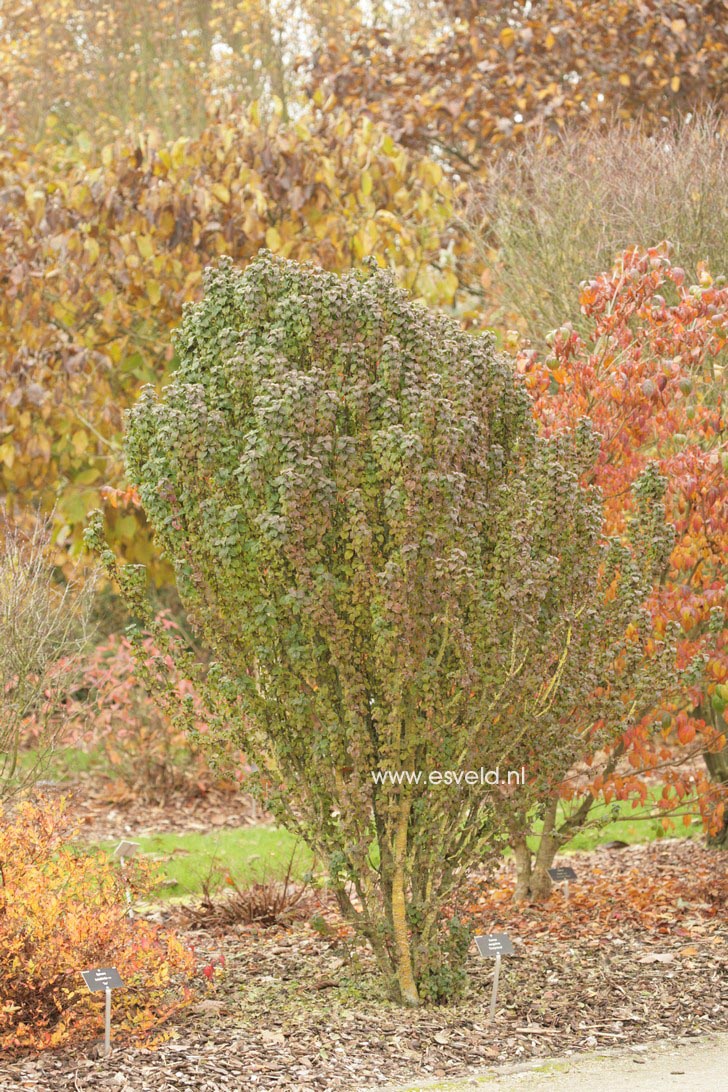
(638, 953)
(105, 810)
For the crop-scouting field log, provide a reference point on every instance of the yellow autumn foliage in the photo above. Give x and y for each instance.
(101, 246)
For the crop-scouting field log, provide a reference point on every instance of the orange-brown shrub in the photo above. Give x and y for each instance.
(63, 911)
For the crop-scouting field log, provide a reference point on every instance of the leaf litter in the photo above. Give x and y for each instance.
(639, 952)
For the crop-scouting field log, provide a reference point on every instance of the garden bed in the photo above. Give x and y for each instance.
(638, 953)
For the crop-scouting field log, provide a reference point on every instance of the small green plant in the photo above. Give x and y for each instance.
(443, 977)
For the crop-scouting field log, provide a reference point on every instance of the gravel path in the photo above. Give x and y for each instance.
(698, 1066)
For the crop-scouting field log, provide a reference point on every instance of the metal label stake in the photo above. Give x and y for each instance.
(562, 874)
(106, 979)
(493, 946)
(122, 852)
(107, 1024)
(494, 996)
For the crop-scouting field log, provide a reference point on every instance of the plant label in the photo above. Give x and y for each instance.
(127, 849)
(105, 978)
(122, 852)
(562, 874)
(494, 944)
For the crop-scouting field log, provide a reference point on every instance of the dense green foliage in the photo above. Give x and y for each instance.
(394, 572)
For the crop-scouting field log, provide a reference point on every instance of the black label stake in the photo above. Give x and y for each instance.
(562, 874)
(106, 979)
(493, 946)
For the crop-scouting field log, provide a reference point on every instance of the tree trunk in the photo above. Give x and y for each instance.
(523, 858)
(533, 883)
(717, 764)
(400, 927)
(547, 849)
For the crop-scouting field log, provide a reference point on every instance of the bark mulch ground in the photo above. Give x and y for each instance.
(638, 953)
(105, 810)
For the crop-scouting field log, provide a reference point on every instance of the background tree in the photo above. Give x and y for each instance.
(100, 246)
(492, 72)
(393, 573)
(101, 65)
(649, 371)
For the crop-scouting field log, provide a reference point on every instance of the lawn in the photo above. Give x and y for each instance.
(254, 854)
(190, 862)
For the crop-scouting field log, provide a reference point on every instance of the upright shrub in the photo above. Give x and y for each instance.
(394, 573)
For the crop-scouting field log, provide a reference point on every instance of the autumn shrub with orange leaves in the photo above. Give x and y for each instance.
(650, 374)
(62, 912)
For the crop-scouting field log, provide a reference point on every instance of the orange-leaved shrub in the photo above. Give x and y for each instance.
(63, 911)
(649, 372)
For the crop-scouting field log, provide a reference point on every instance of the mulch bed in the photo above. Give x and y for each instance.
(638, 953)
(105, 810)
